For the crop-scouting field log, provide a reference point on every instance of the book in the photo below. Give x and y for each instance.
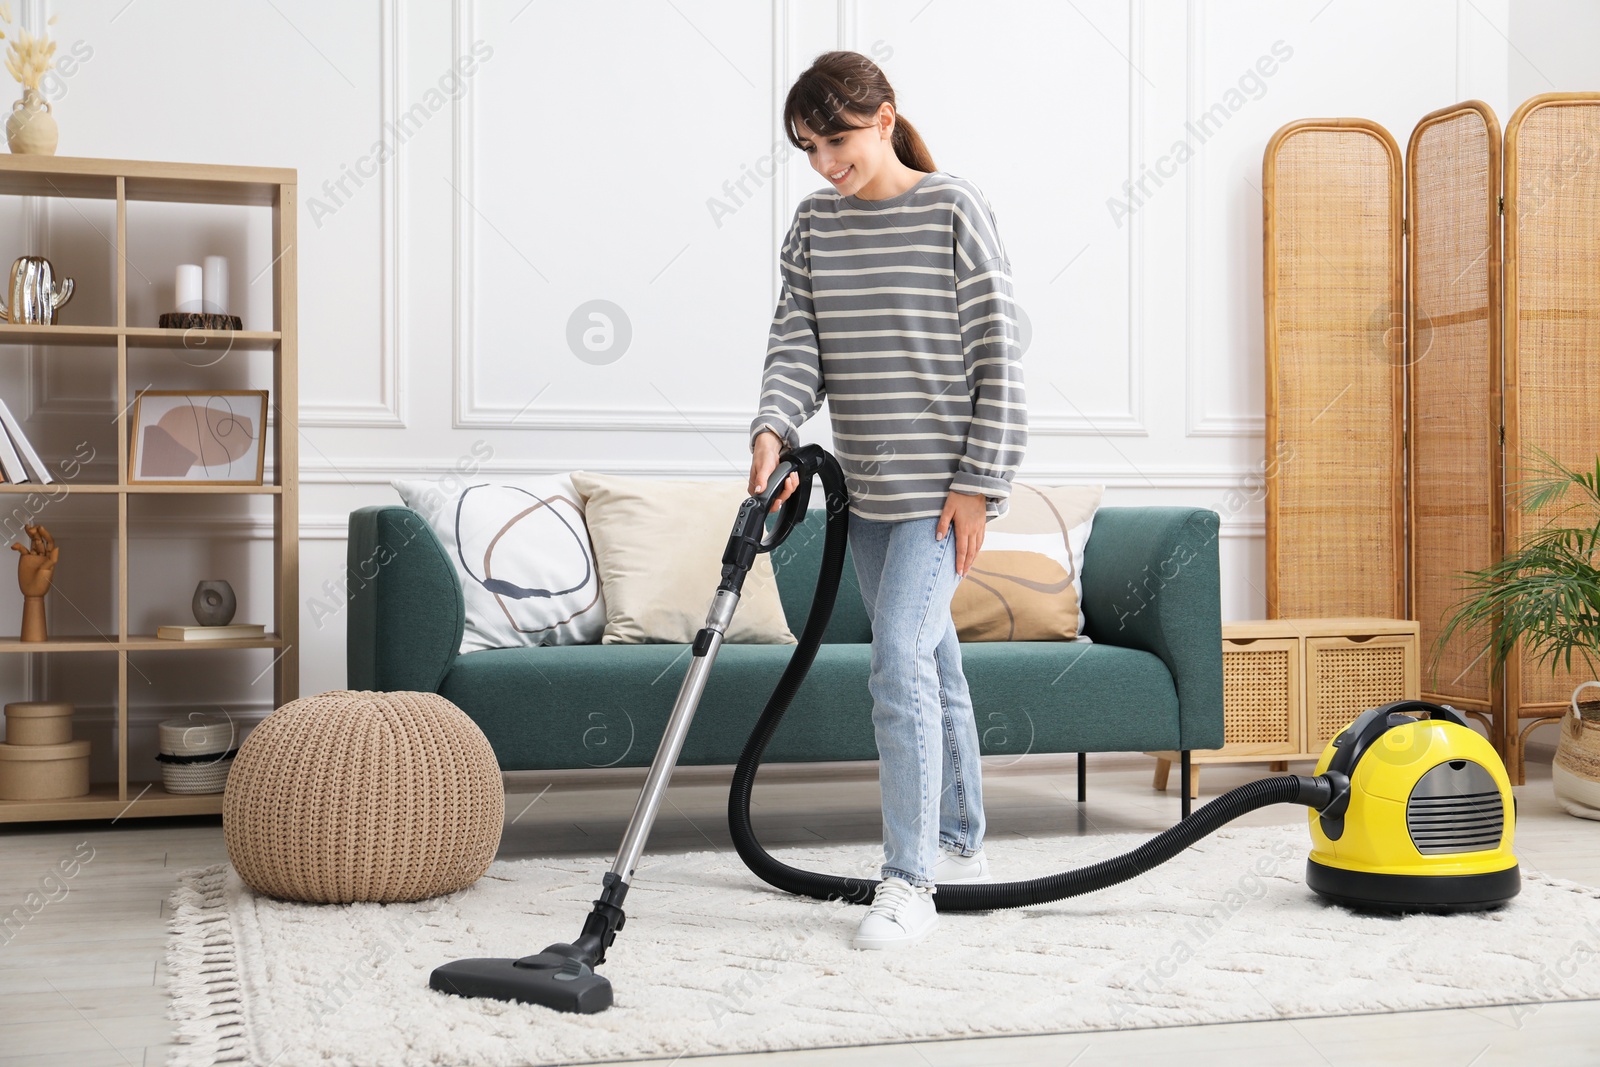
(10, 461)
(13, 430)
(231, 632)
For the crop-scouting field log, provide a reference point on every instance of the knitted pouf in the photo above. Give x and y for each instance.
(348, 796)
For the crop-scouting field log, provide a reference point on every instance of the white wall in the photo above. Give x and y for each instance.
(1553, 45)
(631, 152)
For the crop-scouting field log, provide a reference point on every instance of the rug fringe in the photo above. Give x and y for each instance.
(203, 973)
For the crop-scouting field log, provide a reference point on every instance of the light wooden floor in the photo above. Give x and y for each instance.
(82, 983)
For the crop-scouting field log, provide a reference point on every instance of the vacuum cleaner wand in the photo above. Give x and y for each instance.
(563, 976)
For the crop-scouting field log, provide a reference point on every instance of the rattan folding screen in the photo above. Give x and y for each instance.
(1394, 426)
(1552, 334)
(1453, 380)
(1333, 289)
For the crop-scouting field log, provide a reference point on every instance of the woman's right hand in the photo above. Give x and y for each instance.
(762, 462)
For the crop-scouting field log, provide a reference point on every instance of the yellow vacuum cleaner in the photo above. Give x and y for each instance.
(1426, 820)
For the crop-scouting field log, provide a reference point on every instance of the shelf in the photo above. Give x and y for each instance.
(58, 487)
(145, 799)
(108, 487)
(151, 337)
(145, 642)
(190, 183)
(58, 335)
(81, 643)
(140, 337)
(198, 488)
(133, 643)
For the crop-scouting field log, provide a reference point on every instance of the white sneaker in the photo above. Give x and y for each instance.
(953, 867)
(900, 914)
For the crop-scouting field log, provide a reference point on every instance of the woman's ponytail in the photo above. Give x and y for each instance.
(909, 147)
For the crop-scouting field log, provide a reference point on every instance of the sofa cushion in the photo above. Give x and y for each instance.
(522, 554)
(1027, 582)
(607, 705)
(659, 544)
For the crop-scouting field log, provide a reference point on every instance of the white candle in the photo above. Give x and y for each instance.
(189, 287)
(216, 285)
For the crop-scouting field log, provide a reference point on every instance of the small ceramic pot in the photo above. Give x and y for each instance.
(214, 603)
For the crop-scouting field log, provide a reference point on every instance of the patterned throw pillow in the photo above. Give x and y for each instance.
(1027, 582)
(522, 552)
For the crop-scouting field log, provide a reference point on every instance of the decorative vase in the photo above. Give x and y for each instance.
(31, 128)
(1575, 774)
(214, 603)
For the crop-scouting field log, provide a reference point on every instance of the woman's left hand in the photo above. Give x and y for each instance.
(969, 513)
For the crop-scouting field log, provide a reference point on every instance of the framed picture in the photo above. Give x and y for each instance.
(211, 438)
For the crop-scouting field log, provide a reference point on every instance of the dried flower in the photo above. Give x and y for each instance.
(28, 57)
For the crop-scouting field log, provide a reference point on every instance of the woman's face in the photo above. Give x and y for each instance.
(849, 159)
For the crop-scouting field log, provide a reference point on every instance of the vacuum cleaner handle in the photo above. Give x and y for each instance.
(806, 461)
(1354, 740)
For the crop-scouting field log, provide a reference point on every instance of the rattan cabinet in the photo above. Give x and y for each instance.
(131, 794)
(1290, 685)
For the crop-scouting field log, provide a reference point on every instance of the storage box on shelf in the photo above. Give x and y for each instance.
(140, 792)
(1290, 685)
(40, 759)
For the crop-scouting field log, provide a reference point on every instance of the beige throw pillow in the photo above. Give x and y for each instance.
(1027, 582)
(658, 544)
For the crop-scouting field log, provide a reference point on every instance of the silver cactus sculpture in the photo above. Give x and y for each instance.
(34, 296)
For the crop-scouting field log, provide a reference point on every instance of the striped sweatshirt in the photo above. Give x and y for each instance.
(900, 312)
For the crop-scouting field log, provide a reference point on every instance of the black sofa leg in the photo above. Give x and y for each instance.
(1083, 785)
(1183, 781)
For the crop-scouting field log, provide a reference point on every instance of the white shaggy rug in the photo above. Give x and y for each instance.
(713, 960)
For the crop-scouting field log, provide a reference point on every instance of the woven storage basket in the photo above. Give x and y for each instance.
(348, 796)
(212, 739)
(1575, 774)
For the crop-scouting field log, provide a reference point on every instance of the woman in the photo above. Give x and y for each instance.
(897, 306)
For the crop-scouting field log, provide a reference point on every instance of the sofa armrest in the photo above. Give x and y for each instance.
(405, 612)
(1151, 581)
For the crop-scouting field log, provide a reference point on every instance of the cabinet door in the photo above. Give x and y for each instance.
(1261, 695)
(1347, 675)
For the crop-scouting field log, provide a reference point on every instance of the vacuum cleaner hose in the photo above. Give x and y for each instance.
(1315, 792)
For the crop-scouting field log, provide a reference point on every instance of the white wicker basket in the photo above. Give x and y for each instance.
(198, 737)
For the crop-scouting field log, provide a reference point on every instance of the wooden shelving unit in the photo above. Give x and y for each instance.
(138, 180)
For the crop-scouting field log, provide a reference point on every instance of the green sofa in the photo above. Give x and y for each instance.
(1151, 679)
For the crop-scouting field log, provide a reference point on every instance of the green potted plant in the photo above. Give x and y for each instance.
(1546, 594)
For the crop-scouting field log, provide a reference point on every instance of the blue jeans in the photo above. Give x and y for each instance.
(919, 696)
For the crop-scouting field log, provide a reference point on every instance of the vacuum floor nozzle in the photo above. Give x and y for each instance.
(548, 978)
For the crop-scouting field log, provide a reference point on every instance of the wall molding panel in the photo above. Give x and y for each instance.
(470, 413)
(393, 266)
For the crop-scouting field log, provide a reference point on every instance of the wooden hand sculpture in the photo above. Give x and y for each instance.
(36, 567)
